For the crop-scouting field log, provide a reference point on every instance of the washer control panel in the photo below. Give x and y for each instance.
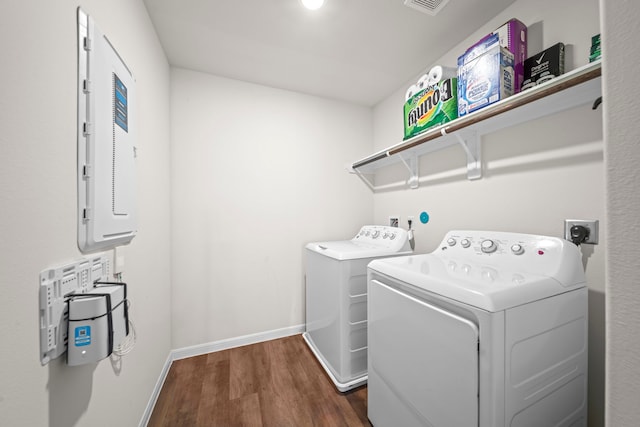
(382, 236)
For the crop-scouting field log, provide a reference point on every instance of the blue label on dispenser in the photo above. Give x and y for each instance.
(424, 217)
(82, 336)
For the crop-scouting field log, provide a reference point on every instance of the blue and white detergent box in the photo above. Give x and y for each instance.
(485, 75)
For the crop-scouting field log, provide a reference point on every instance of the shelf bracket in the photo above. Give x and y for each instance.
(412, 166)
(470, 142)
(363, 178)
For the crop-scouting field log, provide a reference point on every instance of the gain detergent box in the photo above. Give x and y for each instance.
(431, 107)
(485, 75)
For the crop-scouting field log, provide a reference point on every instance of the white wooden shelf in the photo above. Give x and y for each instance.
(573, 89)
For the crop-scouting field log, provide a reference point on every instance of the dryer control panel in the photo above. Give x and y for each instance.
(526, 253)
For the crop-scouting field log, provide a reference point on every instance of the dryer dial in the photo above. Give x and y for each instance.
(488, 246)
(517, 249)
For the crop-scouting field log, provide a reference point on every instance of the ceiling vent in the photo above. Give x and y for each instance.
(431, 7)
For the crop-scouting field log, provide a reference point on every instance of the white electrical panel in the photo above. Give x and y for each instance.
(56, 285)
(106, 142)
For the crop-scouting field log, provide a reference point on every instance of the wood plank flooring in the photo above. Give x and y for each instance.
(276, 383)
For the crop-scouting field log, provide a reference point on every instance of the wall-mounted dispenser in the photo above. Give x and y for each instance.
(98, 322)
(81, 313)
(106, 142)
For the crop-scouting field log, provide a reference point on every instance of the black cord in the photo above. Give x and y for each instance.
(597, 103)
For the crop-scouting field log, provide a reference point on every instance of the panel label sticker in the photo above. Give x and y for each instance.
(120, 103)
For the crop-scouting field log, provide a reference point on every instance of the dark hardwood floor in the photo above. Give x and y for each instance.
(277, 383)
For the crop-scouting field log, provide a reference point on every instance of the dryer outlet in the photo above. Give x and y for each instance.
(590, 224)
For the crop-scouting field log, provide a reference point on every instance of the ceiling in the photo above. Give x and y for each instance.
(358, 51)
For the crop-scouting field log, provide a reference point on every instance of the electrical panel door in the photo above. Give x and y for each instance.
(106, 142)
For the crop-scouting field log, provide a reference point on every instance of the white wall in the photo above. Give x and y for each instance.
(622, 136)
(256, 173)
(535, 176)
(38, 199)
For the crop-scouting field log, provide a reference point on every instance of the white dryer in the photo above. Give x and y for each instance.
(336, 299)
(488, 330)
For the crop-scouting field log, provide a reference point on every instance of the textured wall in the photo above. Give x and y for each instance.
(622, 135)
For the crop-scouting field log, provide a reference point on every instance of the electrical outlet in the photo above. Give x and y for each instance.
(394, 221)
(118, 259)
(590, 224)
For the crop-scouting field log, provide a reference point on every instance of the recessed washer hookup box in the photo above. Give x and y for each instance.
(485, 75)
(544, 66)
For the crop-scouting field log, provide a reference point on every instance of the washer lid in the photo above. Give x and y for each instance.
(482, 286)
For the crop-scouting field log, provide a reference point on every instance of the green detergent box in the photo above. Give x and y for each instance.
(431, 107)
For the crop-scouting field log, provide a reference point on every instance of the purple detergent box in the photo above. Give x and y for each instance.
(513, 36)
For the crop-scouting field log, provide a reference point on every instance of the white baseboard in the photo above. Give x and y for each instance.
(156, 392)
(197, 350)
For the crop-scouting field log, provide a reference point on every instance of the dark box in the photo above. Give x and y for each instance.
(544, 66)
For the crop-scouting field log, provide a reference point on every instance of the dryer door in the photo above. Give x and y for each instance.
(423, 362)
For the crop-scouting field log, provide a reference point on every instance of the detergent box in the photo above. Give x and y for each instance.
(485, 75)
(513, 36)
(431, 107)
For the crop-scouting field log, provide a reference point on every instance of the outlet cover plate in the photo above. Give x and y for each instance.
(591, 224)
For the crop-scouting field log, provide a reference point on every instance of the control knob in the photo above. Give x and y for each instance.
(375, 234)
(488, 246)
(517, 249)
(465, 243)
(451, 241)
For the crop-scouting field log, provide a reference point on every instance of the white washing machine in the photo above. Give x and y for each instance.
(488, 330)
(336, 299)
